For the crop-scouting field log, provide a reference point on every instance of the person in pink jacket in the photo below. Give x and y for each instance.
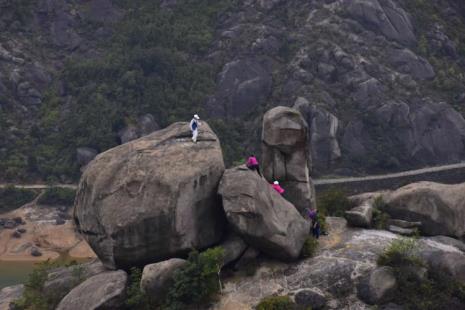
(278, 188)
(252, 164)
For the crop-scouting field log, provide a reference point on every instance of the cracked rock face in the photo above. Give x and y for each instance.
(286, 155)
(152, 199)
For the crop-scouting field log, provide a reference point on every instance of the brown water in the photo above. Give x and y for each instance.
(12, 273)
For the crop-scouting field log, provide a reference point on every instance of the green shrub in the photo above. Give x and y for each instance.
(13, 197)
(34, 297)
(334, 203)
(136, 299)
(276, 303)
(54, 196)
(198, 281)
(400, 253)
(309, 247)
(380, 218)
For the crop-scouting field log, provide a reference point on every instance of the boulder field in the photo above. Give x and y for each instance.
(160, 196)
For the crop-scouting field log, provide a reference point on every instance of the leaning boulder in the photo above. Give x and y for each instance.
(104, 291)
(158, 278)
(360, 216)
(153, 198)
(286, 155)
(440, 208)
(260, 215)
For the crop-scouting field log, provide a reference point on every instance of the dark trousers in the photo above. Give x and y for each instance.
(256, 168)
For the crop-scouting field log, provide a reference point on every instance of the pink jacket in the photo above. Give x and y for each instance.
(252, 161)
(278, 188)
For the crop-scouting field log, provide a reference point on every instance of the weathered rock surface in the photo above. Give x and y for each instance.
(153, 198)
(402, 231)
(10, 294)
(158, 278)
(324, 128)
(62, 280)
(103, 291)
(234, 246)
(403, 224)
(449, 241)
(286, 155)
(311, 298)
(263, 218)
(439, 207)
(379, 287)
(360, 216)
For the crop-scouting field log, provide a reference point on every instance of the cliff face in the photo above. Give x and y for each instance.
(380, 83)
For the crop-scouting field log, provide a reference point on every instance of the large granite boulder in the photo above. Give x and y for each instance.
(260, 215)
(439, 207)
(286, 155)
(158, 278)
(153, 198)
(104, 291)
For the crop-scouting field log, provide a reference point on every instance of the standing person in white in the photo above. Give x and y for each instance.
(194, 125)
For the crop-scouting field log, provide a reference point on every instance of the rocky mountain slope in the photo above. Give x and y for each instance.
(379, 82)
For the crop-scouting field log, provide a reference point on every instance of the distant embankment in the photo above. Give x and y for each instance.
(448, 174)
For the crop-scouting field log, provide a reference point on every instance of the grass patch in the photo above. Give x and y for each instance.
(309, 247)
(12, 197)
(400, 253)
(334, 203)
(276, 303)
(57, 196)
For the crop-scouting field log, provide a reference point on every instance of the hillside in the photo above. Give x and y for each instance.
(379, 82)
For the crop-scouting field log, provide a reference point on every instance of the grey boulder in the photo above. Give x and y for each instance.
(153, 198)
(9, 294)
(378, 287)
(360, 216)
(262, 217)
(158, 278)
(234, 246)
(286, 155)
(312, 298)
(103, 291)
(439, 207)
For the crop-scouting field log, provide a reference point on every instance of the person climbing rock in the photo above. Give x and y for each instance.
(277, 187)
(315, 223)
(252, 164)
(194, 126)
(316, 228)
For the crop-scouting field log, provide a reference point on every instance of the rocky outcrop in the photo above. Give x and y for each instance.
(360, 216)
(379, 287)
(263, 218)
(440, 208)
(385, 17)
(323, 141)
(104, 291)
(62, 280)
(158, 278)
(243, 85)
(153, 198)
(286, 155)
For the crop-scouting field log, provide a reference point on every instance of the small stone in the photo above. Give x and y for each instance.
(60, 221)
(16, 234)
(311, 298)
(21, 230)
(35, 252)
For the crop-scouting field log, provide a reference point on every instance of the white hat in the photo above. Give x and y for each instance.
(196, 116)
(276, 182)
